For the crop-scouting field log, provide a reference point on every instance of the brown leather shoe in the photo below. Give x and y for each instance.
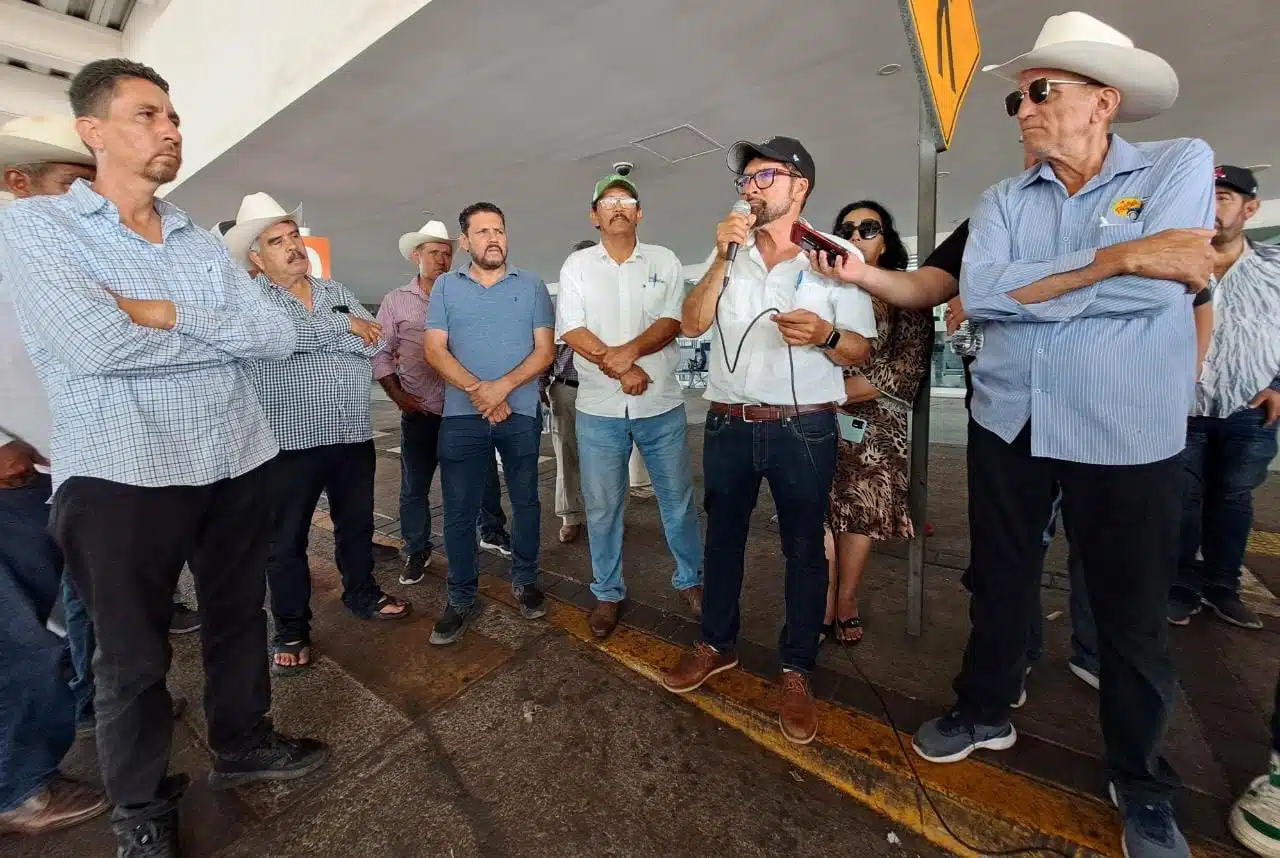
(604, 619)
(696, 667)
(61, 804)
(570, 533)
(798, 715)
(693, 595)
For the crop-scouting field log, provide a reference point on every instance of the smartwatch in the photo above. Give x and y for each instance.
(832, 341)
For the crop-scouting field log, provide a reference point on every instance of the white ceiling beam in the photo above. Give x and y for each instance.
(24, 93)
(38, 36)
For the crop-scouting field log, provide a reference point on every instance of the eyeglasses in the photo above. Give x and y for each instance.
(763, 178)
(616, 202)
(1038, 91)
(867, 229)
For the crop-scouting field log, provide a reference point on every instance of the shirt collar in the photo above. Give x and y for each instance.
(465, 271)
(1122, 157)
(637, 254)
(86, 202)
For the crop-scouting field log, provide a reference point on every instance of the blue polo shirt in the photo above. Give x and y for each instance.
(490, 330)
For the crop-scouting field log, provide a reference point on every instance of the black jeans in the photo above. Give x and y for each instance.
(1275, 721)
(1226, 461)
(798, 458)
(1124, 524)
(125, 546)
(345, 473)
(419, 442)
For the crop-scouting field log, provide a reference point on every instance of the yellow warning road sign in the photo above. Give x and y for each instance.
(944, 39)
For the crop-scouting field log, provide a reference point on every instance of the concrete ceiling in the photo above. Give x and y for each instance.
(528, 104)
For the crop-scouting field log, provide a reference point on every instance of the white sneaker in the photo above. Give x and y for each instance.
(1086, 676)
(1255, 817)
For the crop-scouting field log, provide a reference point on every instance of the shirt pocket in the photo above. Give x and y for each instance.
(200, 283)
(1119, 233)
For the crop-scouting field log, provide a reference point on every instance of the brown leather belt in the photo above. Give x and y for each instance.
(769, 413)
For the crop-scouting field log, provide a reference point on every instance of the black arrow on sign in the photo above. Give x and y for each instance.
(944, 21)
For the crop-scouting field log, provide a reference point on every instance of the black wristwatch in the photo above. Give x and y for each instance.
(342, 308)
(831, 341)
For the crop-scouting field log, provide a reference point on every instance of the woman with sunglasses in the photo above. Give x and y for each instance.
(869, 493)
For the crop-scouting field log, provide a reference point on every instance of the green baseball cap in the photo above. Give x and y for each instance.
(613, 180)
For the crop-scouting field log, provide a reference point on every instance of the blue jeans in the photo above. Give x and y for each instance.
(798, 458)
(604, 450)
(492, 520)
(80, 644)
(37, 709)
(1084, 631)
(1226, 460)
(419, 438)
(467, 444)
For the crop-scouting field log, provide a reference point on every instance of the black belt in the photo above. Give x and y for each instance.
(567, 382)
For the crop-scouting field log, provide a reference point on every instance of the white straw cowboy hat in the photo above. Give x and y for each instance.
(432, 230)
(42, 140)
(258, 213)
(1080, 43)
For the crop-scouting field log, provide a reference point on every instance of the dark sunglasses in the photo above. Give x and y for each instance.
(1038, 91)
(867, 229)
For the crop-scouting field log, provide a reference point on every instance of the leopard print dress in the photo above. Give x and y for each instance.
(869, 493)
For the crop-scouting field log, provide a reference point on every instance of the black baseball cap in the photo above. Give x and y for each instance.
(1237, 179)
(788, 150)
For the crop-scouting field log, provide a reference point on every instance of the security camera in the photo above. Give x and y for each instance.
(623, 168)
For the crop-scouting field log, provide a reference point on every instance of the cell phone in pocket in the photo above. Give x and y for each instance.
(852, 429)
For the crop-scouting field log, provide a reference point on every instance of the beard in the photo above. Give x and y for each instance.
(486, 262)
(164, 170)
(766, 214)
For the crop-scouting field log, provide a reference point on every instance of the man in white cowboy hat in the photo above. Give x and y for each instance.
(139, 325)
(39, 156)
(1076, 268)
(318, 403)
(417, 389)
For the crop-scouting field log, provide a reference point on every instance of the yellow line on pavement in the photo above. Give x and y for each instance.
(1264, 542)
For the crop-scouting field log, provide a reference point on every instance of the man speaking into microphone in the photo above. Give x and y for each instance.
(781, 335)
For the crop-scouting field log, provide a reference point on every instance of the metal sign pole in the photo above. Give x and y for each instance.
(918, 487)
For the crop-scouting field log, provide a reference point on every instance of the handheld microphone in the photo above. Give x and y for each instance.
(740, 207)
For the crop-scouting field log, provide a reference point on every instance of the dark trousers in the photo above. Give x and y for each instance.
(467, 444)
(1226, 460)
(798, 458)
(37, 711)
(419, 440)
(1275, 721)
(125, 547)
(1124, 522)
(345, 473)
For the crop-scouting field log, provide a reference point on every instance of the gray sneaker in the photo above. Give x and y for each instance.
(1182, 610)
(1150, 831)
(1230, 609)
(953, 737)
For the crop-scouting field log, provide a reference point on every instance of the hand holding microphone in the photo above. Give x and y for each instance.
(733, 231)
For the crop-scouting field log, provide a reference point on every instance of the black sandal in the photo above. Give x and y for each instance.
(294, 649)
(390, 600)
(848, 625)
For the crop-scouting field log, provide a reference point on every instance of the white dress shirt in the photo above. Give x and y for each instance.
(617, 303)
(764, 371)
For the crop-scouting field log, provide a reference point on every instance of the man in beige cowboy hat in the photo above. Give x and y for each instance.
(39, 156)
(1079, 270)
(317, 401)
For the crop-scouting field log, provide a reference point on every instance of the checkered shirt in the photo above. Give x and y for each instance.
(131, 404)
(320, 394)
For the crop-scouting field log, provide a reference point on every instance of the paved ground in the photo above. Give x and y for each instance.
(518, 742)
(523, 741)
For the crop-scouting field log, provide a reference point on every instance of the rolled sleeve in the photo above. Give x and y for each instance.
(383, 365)
(571, 312)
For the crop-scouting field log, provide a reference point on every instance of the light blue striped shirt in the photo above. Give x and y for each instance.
(1106, 374)
(131, 404)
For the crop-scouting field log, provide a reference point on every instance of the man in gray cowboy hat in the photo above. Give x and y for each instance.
(317, 400)
(1076, 268)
